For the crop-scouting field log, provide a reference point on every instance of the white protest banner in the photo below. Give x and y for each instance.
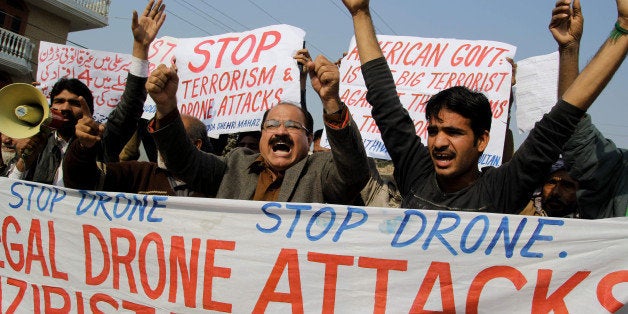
(103, 72)
(422, 67)
(73, 251)
(230, 80)
(536, 89)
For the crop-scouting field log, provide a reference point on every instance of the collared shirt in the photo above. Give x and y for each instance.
(268, 183)
(63, 147)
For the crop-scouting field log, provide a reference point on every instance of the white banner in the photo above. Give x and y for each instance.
(228, 81)
(421, 68)
(103, 72)
(75, 251)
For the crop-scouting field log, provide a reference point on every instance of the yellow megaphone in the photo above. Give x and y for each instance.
(23, 110)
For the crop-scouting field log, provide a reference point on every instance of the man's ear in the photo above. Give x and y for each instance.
(482, 141)
(310, 139)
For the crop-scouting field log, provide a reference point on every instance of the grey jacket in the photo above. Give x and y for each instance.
(331, 177)
(602, 170)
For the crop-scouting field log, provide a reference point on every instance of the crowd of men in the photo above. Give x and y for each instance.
(565, 168)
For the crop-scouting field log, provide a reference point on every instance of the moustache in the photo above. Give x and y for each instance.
(280, 138)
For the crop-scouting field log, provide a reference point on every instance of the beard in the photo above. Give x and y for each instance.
(7, 156)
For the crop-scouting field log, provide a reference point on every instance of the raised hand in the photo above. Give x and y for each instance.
(303, 57)
(87, 130)
(567, 23)
(354, 6)
(146, 27)
(162, 87)
(325, 78)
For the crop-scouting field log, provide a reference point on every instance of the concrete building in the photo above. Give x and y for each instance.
(24, 23)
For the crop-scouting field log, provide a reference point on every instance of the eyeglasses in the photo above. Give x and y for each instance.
(291, 126)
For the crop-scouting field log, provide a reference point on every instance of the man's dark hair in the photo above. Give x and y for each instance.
(309, 121)
(465, 102)
(318, 134)
(197, 130)
(73, 86)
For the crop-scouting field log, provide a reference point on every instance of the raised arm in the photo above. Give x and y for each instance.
(203, 172)
(368, 47)
(566, 27)
(348, 174)
(590, 83)
(123, 120)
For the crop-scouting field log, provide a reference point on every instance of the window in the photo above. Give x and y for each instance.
(13, 15)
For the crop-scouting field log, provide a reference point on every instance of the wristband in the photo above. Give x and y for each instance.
(617, 32)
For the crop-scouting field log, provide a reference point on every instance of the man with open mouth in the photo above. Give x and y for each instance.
(444, 173)
(282, 170)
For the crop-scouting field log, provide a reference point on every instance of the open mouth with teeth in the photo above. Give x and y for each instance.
(443, 160)
(281, 147)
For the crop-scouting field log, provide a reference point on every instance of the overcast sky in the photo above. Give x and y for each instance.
(329, 29)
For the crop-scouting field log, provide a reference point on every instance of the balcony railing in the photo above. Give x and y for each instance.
(15, 51)
(99, 6)
(82, 14)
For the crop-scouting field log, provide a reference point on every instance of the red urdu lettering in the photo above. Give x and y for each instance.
(288, 258)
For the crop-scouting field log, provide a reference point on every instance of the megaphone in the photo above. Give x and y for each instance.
(24, 111)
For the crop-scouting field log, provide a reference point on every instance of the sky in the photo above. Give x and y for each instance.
(329, 29)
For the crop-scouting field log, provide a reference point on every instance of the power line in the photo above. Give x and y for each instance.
(383, 21)
(225, 15)
(276, 20)
(188, 22)
(340, 8)
(261, 9)
(210, 18)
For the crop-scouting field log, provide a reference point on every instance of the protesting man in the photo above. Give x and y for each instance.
(444, 174)
(283, 170)
(45, 165)
(82, 171)
(599, 166)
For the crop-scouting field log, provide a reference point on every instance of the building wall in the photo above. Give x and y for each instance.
(43, 25)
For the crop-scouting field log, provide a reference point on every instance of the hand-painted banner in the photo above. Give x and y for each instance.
(103, 72)
(424, 66)
(70, 251)
(228, 81)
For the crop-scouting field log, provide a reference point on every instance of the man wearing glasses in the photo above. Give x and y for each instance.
(282, 170)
